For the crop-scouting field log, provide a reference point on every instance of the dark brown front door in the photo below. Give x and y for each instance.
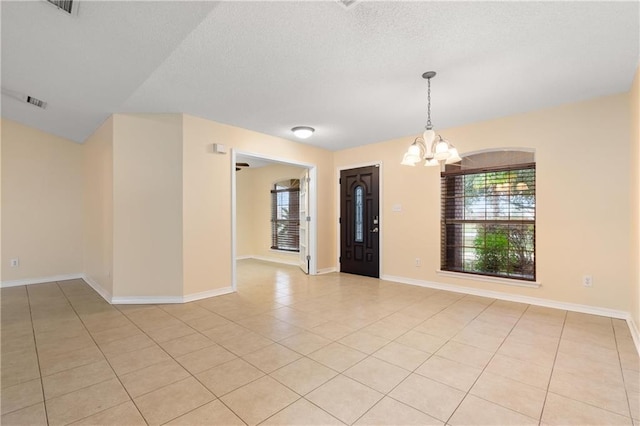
(360, 221)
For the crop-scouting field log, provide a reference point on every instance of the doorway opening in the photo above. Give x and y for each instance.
(265, 213)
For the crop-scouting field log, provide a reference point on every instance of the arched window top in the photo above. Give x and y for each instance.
(491, 159)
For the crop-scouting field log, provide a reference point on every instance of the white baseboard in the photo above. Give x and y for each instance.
(41, 280)
(633, 327)
(205, 294)
(326, 270)
(575, 307)
(97, 288)
(273, 260)
(243, 257)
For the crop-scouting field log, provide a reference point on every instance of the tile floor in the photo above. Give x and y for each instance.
(292, 349)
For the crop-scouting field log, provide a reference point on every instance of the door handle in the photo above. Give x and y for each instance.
(374, 229)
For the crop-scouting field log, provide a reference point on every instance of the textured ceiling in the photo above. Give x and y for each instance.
(352, 73)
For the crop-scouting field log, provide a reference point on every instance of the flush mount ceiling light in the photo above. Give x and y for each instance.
(430, 147)
(303, 132)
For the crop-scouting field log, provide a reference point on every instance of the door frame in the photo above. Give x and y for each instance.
(380, 212)
(313, 207)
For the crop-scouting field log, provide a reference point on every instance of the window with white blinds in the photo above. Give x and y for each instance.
(285, 215)
(488, 216)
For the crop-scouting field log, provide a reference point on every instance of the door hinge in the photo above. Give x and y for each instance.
(339, 220)
(308, 257)
(340, 259)
(340, 181)
(308, 180)
(308, 218)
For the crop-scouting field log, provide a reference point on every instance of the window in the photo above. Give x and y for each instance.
(285, 215)
(488, 215)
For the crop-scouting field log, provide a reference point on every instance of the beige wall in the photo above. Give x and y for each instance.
(582, 202)
(635, 200)
(211, 200)
(253, 210)
(147, 205)
(206, 211)
(41, 203)
(98, 207)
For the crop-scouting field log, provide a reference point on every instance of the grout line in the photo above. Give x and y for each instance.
(35, 343)
(106, 360)
(624, 384)
(546, 394)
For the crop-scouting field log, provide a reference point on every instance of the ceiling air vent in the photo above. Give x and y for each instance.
(36, 102)
(69, 7)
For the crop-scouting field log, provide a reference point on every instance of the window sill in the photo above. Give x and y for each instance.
(495, 280)
(284, 251)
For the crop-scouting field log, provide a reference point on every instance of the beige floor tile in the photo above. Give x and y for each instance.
(634, 404)
(476, 411)
(229, 376)
(479, 340)
(60, 362)
(19, 367)
(272, 357)
(449, 372)
(517, 396)
(631, 380)
(392, 413)
(586, 351)
(402, 356)
(582, 366)
(33, 415)
(344, 398)
(302, 412)
(225, 332)
(594, 392)
(186, 344)
(111, 334)
(525, 372)
(337, 356)
(185, 311)
(305, 342)
(303, 375)
(127, 344)
(377, 374)
(76, 378)
(246, 343)
(386, 329)
(332, 330)
(559, 410)
(205, 359)
(421, 341)
(259, 400)
(20, 396)
(65, 345)
(529, 353)
(172, 401)
(364, 342)
(85, 402)
(123, 414)
(213, 413)
(172, 332)
(155, 376)
(206, 322)
(465, 354)
(137, 360)
(430, 397)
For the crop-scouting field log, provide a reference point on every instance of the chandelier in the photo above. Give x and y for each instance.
(430, 147)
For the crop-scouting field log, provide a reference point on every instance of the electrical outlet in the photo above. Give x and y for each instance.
(418, 262)
(15, 263)
(587, 281)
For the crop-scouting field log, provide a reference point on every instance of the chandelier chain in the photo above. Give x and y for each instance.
(429, 125)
